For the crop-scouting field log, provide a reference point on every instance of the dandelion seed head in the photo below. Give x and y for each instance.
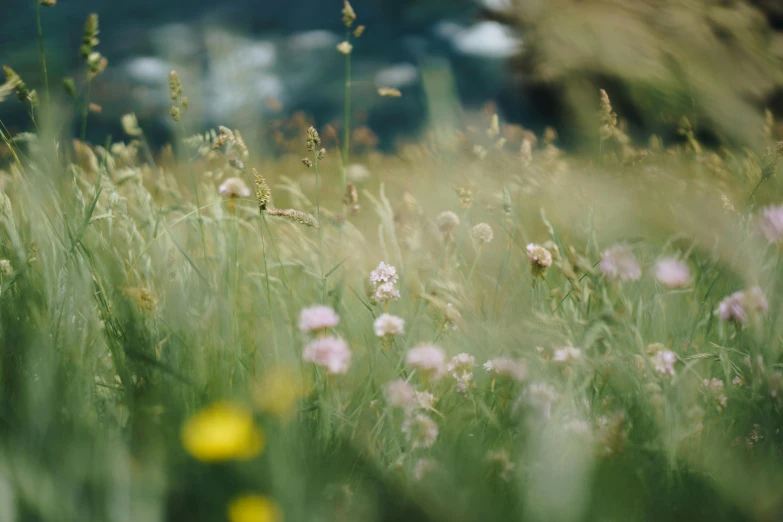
(331, 353)
(447, 222)
(482, 234)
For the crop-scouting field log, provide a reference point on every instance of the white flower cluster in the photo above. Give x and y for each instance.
(461, 368)
(419, 429)
(384, 280)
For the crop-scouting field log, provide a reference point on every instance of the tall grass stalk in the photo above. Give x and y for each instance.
(320, 226)
(264, 228)
(47, 97)
(85, 110)
(346, 118)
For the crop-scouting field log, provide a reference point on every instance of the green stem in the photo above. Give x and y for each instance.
(86, 110)
(473, 266)
(320, 233)
(346, 115)
(268, 292)
(423, 301)
(198, 201)
(47, 98)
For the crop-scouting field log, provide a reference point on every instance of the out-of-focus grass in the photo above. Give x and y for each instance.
(151, 362)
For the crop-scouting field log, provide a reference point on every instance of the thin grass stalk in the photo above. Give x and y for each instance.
(346, 117)
(86, 110)
(320, 228)
(47, 97)
(198, 200)
(264, 225)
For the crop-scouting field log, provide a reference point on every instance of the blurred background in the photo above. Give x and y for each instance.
(246, 61)
(540, 62)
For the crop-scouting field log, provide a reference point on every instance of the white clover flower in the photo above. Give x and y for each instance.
(316, 318)
(663, 361)
(714, 387)
(386, 292)
(770, 224)
(400, 394)
(540, 258)
(775, 383)
(384, 274)
(387, 324)
(567, 354)
(234, 188)
(740, 306)
(5, 267)
(461, 368)
(420, 431)
(482, 234)
(423, 467)
(672, 273)
(427, 359)
(578, 427)
(505, 367)
(331, 353)
(461, 363)
(541, 397)
(425, 400)
(619, 263)
(502, 460)
(611, 435)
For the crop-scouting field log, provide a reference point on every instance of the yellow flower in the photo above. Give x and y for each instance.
(278, 390)
(222, 431)
(254, 508)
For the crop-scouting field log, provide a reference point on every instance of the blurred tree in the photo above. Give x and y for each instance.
(718, 62)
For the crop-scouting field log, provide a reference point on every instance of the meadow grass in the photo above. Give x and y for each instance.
(489, 328)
